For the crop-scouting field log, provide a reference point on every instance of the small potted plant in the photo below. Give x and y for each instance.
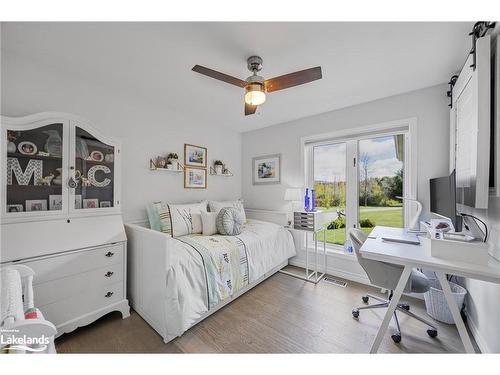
(170, 165)
(218, 165)
(173, 159)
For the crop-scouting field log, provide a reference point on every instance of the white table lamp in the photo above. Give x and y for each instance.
(293, 195)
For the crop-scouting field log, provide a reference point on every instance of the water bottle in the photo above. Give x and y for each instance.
(348, 246)
(306, 200)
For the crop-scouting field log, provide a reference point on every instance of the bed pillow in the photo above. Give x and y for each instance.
(159, 217)
(186, 218)
(209, 223)
(216, 206)
(229, 221)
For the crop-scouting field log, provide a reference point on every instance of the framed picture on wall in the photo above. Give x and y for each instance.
(195, 178)
(266, 169)
(195, 156)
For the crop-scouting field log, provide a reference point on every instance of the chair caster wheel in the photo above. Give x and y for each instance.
(364, 299)
(396, 338)
(405, 307)
(355, 313)
(432, 332)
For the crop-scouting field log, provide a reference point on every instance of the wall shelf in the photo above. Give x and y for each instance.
(214, 173)
(152, 167)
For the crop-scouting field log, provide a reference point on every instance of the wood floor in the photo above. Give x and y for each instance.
(281, 315)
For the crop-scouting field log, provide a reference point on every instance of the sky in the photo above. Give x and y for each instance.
(330, 160)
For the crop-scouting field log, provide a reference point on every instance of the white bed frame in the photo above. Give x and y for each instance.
(148, 261)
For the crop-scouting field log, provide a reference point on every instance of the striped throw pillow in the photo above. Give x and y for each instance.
(159, 218)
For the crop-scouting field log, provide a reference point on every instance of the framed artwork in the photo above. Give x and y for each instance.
(14, 208)
(195, 178)
(105, 204)
(91, 203)
(36, 205)
(78, 201)
(195, 156)
(266, 169)
(55, 202)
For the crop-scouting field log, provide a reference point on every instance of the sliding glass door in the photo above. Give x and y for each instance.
(380, 181)
(359, 182)
(330, 187)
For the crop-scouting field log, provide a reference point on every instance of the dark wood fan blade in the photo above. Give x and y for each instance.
(250, 109)
(293, 79)
(218, 75)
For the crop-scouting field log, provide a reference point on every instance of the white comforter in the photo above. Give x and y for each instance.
(268, 245)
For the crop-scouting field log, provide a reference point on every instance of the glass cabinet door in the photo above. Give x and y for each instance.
(94, 172)
(34, 169)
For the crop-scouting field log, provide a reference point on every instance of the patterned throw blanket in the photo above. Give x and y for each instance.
(226, 264)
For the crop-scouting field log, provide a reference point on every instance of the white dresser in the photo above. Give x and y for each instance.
(69, 230)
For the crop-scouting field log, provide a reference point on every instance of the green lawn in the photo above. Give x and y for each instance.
(388, 216)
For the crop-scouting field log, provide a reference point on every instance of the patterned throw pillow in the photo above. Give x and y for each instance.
(159, 217)
(186, 218)
(216, 206)
(229, 221)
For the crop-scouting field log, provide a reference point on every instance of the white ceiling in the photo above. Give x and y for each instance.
(360, 61)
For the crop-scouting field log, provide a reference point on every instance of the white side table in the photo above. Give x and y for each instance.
(310, 222)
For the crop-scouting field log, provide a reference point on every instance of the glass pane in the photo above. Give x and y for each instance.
(94, 172)
(34, 169)
(380, 163)
(330, 188)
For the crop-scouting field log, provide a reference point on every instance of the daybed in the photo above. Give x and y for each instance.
(175, 283)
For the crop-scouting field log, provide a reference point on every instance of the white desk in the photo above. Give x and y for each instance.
(412, 256)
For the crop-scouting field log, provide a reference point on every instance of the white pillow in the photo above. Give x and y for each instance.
(186, 218)
(216, 206)
(209, 223)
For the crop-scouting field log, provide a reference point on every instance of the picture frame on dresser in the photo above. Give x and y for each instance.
(79, 255)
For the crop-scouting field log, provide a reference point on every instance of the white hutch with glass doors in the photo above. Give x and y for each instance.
(61, 216)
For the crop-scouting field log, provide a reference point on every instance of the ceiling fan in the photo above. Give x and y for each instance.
(256, 87)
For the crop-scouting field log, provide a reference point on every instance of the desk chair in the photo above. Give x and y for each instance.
(386, 276)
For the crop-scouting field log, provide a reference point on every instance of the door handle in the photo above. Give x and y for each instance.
(108, 294)
(109, 274)
(109, 254)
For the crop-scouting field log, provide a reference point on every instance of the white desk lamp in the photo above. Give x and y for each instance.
(414, 225)
(293, 195)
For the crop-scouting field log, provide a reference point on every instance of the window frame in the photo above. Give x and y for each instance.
(407, 127)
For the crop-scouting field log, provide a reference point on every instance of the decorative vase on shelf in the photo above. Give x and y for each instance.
(170, 166)
(53, 145)
(11, 147)
(218, 169)
(175, 163)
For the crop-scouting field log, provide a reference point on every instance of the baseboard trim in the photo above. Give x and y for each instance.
(362, 279)
(477, 336)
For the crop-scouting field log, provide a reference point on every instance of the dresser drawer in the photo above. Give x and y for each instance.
(64, 265)
(71, 308)
(67, 287)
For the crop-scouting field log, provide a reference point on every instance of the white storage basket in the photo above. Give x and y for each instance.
(435, 301)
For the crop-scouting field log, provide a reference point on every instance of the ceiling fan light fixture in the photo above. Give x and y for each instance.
(255, 94)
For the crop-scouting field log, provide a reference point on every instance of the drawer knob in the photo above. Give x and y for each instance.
(109, 254)
(108, 294)
(109, 274)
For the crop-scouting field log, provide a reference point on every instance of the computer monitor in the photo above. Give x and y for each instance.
(443, 199)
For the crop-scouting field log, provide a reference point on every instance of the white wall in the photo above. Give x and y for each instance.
(429, 106)
(144, 130)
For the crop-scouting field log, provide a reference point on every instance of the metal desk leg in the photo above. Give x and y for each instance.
(391, 308)
(452, 304)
